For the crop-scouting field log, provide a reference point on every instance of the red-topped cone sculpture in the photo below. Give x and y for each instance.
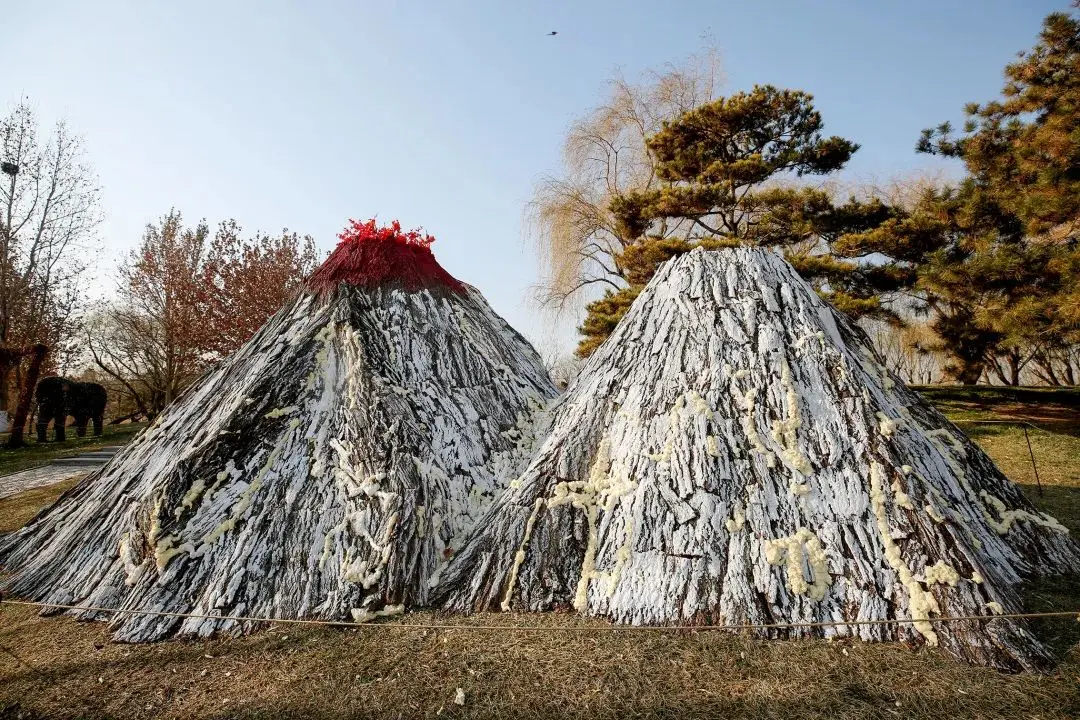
(326, 470)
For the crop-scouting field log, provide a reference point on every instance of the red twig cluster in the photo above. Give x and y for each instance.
(369, 255)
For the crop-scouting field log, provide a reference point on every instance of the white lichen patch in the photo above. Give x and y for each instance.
(1008, 517)
(603, 489)
(886, 425)
(282, 412)
(712, 446)
(421, 518)
(622, 555)
(361, 615)
(799, 489)
(133, 567)
(519, 556)
(941, 572)
(749, 426)
(901, 498)
(665, 453)
(795, 551)
(800, 344)
(166, 549)
(920, 602)
(876, 368)
(368, 571)
(994, 607)
(245, 499)
(695, 402)
(934, 514)
(738, 518)
(783, 433)
(191, 496)
(155, 521)
(976, 578)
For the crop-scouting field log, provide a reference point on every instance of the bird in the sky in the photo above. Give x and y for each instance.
(553, 32)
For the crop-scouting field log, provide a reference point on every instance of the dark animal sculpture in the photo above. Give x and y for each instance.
(58, 397)
(9, 358)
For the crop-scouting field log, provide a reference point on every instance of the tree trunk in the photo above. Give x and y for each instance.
(1045, 362)
(324, 471)
(969, 374)
(5, 378)
(26, 397)
(736, 453)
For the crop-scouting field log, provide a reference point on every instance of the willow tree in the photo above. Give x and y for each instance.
(728, 169)
(604, 155)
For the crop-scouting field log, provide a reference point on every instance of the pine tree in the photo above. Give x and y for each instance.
(997, 257)
(721, 162)
(1025, 147)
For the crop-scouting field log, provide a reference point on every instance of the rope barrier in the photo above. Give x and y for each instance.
(609, 628)
(526, 628)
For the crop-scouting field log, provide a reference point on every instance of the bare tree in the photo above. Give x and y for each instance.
(49, 209)
(149, 338)
(910, 351)
(605, 155)
(186, 300)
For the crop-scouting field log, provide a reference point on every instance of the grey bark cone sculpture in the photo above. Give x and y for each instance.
(324, 471)
(736, 453)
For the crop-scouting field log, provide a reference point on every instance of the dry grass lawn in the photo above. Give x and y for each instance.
(570, 667)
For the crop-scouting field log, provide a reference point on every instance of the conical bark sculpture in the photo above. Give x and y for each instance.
(324, 471)
(736, 453)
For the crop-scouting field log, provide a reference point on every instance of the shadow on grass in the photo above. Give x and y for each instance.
(1060, 501)
(976, 430)
(1056, 594)
(988, 396)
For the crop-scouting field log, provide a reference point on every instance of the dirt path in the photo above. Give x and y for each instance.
(16, 483)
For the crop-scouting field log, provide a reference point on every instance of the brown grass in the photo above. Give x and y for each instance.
(59, 668)
(66, 670)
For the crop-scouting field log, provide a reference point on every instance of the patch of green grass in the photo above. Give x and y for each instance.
(35, 453)
(17, 510)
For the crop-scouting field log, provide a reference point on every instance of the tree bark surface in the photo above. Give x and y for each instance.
(736, 453)
(325, 471)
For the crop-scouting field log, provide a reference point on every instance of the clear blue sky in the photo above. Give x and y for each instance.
(444, 113)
